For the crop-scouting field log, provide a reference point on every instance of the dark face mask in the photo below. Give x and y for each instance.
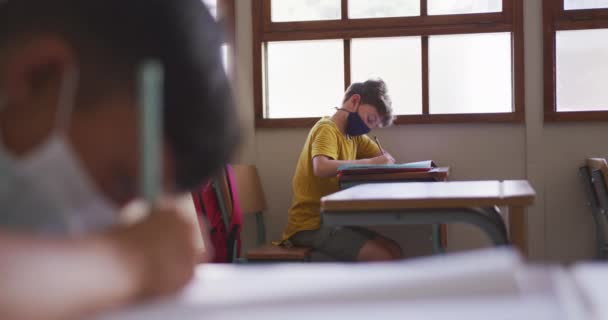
(355, 126)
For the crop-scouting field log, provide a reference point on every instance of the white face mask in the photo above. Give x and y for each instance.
(48, 190)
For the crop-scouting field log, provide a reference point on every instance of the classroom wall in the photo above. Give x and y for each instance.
(560, 227)
(570, 233)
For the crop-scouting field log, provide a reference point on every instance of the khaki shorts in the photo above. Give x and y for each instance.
(339, 243)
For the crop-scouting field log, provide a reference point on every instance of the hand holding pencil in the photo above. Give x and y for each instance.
(385, 157)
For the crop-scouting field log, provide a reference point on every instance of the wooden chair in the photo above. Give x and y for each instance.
(599, 177)
(252, 201)
(594, 177)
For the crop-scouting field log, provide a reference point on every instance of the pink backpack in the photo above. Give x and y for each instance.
(223, 220)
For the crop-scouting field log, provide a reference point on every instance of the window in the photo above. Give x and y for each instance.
(585, 4)
(576, 64)
(464, 6)
(359, 9)
(397, 61)
(470, 73)
(305, 10)
(223, 12)
(442, 60)
(304, 60)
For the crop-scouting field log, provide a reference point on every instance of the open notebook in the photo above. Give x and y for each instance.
(353, 169)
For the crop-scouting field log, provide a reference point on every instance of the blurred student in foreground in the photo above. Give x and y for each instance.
(69, 150)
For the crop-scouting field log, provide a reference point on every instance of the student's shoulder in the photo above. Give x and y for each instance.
(325, 124)
(362, 138)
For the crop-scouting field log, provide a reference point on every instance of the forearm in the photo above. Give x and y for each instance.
(62, 279)
(327, 168)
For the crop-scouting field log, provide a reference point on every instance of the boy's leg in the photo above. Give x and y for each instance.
(393, 247)
(388, 243)
(379, 248)
(339, 243)
(346, 243)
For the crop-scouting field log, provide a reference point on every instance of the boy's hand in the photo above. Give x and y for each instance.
(159, 251)
(386, 158)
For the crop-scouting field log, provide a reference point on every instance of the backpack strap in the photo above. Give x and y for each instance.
(236, 220)
(200, 205)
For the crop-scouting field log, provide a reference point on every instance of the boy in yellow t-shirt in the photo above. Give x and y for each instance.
(334, 141)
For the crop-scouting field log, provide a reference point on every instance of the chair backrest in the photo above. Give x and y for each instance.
(229, 204)
(595, 176)
(223, 193)
(587, 182)
(249, 188)
(601, 191)
(599, 164)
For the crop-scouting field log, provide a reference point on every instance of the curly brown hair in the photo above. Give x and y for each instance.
(374, 92)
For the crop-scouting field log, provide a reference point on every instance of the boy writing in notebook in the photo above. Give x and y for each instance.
(70, 152)
(332, 142)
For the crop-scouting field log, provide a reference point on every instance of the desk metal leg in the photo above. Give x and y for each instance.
(437, 239)
(494, 213)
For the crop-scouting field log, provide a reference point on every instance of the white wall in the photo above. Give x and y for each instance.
(560, 227)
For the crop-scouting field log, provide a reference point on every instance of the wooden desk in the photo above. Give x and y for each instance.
(472, 202)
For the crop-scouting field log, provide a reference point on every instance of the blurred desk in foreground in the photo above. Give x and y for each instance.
(490, 284)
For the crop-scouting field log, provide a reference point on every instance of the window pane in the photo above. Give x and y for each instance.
(470, 73)
(398, 62)
(305, 78)
(582, 70)
(437, 7)
(585, 4)
(358, 9)
(212, 6)
(305, 10)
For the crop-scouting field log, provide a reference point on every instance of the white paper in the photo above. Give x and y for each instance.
(466, 286)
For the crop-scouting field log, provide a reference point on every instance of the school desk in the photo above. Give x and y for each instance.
(439, 233)
(470, 202)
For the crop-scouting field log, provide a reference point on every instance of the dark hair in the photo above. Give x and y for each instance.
(112, 38)
(375, 93)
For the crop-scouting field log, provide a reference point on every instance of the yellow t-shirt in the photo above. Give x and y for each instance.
(324, 139)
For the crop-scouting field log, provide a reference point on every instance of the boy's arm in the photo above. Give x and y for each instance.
(325, 149)
(43, 278)
(325, 167)
(368, 148)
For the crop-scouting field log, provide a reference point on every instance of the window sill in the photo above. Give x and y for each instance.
(554, 116)
(405, 120)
